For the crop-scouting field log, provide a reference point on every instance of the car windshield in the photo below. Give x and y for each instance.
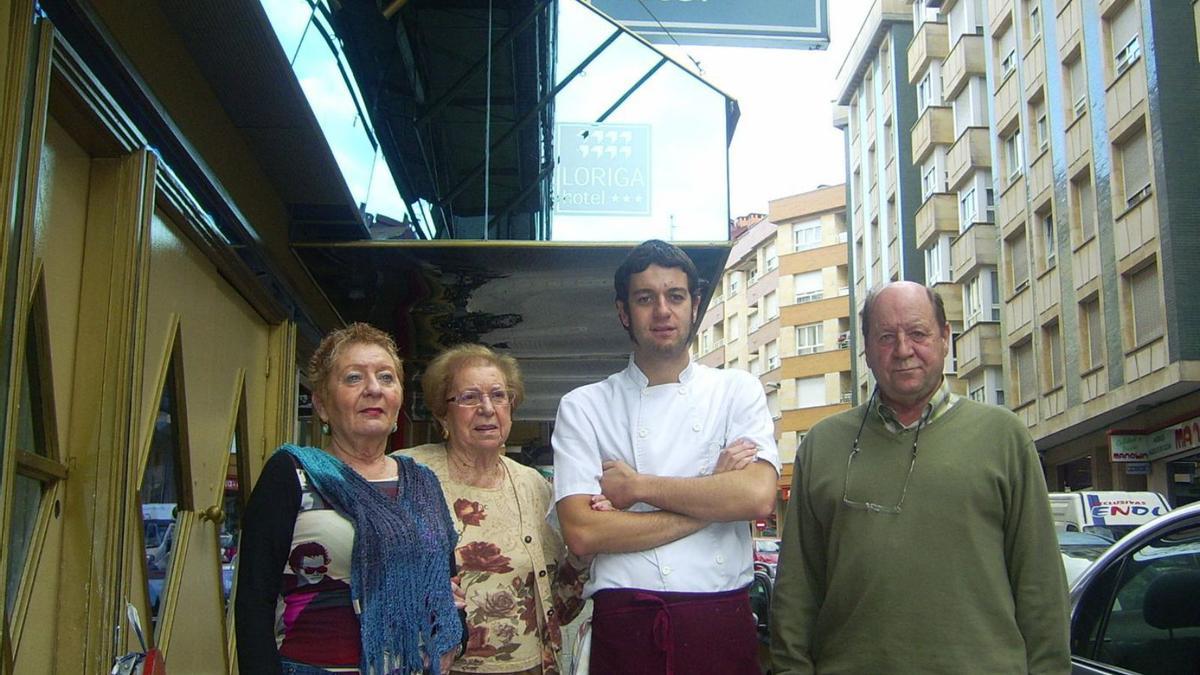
(1083, 545)
(1110, 532)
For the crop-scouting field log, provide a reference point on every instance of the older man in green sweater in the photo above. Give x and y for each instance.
(918, 538)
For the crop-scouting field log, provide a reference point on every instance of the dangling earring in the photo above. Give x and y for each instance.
(395, 427)
(325, 427)
(445, 433)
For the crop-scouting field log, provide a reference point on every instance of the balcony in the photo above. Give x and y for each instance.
(965, 61)
(818, 363)
(1034, 65)
(999, 11)
(1136, 226)
(1008, 96)
(934, 127)
(951, 299)
(888, 104)
(1069, 26)
(1126, 93)
(938, 215)
(803, 419)
(978, 347)
(1040, 177)
(970, 152)
(978, 247)
(932, 41)
(1010, 211)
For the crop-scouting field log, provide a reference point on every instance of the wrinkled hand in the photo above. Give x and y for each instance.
(619, 484)
(460, 596)
(447, 661)
(737, 456)
(601, 503)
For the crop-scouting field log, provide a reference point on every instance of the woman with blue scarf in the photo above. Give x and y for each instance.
(347, 553)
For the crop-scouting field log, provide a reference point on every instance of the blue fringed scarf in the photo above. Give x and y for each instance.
(400, 570)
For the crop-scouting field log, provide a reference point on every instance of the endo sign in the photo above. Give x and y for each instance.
(602, 169)
(794, 24)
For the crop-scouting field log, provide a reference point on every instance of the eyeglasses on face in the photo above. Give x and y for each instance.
(473, 398)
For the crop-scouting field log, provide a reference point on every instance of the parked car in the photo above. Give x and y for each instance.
(1108, 513)
(1137, 608)
(1079, 550)
(766, 551)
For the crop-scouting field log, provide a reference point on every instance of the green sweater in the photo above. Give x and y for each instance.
(967, 578)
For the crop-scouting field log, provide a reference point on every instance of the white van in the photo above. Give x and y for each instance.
(1106, 513)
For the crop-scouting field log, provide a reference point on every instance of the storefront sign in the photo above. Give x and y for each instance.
(1127, 447)
(1137, 468)
(797, 24)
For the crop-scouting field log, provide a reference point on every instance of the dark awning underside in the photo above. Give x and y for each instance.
(548, 304)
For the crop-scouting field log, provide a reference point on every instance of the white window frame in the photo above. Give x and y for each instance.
(1041, 126)
(1008, 65)
(803, 238)
(810, 338)
(1049, 240)
(968, 207)
(1127, 55)
(1077, 81)
(1014, 163)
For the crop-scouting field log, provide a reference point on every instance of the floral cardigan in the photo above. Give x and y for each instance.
(510, 603)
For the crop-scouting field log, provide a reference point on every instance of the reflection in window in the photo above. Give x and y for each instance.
(1151, 623)
(673, 126)
(37, 465)
(236, 474)
(162, 491)
(305, 33)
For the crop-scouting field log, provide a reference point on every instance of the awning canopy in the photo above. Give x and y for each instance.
(550, 305)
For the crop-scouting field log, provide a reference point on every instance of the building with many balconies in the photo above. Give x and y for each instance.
(1055, 147)
(782, 312)
(956, 231)
(815, 327)
(898, 138)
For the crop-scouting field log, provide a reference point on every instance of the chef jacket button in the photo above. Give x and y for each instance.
(528, 539)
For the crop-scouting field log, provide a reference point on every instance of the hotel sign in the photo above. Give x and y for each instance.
(789, 24)
(602, 169)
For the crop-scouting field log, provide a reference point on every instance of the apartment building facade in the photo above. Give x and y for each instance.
(898, 138)
(781, 311)
(1053, 143)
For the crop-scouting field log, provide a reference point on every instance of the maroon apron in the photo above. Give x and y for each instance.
(635, 631)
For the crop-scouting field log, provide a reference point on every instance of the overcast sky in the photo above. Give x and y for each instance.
(785, 141)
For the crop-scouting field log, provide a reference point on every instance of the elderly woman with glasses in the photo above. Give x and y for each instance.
(520, 583)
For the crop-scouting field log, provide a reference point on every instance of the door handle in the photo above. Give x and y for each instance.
(213, 514)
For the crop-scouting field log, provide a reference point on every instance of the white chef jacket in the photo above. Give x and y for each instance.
(675, 429)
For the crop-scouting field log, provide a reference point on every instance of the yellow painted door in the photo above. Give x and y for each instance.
(204, 390)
